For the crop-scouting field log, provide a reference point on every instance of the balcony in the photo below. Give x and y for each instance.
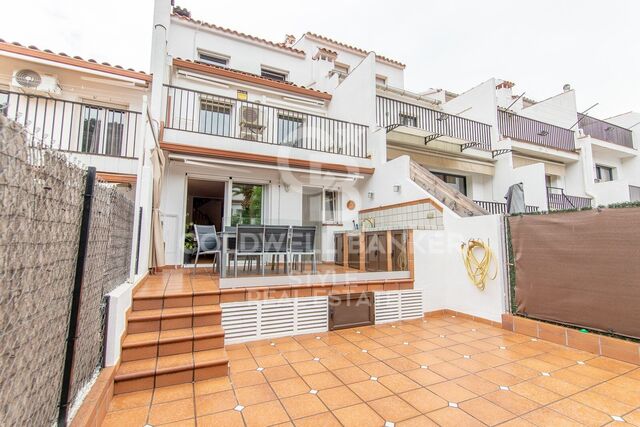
(605, 131)
(74, 126)
(500, 207)
(391, 113)
(557, 200)
(535, 132)
(209, 114)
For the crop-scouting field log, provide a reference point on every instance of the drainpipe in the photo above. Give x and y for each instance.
(587, 164)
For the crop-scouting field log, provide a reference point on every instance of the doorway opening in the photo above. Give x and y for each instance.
(205, 206)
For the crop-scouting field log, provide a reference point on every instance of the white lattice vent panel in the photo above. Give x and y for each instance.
(253, 320)
(392, 306)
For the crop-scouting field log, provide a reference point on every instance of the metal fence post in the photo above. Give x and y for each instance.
(138, 239)
(75, 301)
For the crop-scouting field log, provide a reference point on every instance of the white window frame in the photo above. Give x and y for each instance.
(337, 214)
(216, 56)
(274, 71)
(611, 169)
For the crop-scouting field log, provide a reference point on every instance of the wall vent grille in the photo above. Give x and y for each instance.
(392, 306)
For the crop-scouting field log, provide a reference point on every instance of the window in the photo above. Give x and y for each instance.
(215, 117)
(213, 59)
(381, 80)
(290, 130)
(407, 120)
(331, 203)
(4, 103)
(604, 173)
(246, 204)
(456, 181)
(93, 140)
(274, 74)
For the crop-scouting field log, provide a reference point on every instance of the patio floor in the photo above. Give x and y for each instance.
(446, 371)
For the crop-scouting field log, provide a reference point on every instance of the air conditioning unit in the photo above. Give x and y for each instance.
(251, 133)
(251, 117)
(34, 82)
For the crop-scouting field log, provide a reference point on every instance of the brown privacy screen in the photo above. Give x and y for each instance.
(580, 268)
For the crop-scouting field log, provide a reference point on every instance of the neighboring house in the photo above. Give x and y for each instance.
(92, 111)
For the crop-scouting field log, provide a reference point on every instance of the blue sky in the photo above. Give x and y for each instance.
(540, 45)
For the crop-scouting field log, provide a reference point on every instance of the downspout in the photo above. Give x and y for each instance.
(586, 166)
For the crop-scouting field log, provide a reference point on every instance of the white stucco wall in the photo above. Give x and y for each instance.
(440, 272)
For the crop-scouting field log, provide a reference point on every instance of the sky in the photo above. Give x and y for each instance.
(538, 44)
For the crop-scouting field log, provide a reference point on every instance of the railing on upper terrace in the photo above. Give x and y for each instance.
(500, 207)
(206, 113)
(536, 132)
(605, 131)
(558, 200)
(391, 113)
(74, 126)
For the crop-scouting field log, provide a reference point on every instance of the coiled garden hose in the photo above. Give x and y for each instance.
(478, 268)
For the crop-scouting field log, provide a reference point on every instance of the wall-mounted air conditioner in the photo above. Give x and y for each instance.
(34, 82)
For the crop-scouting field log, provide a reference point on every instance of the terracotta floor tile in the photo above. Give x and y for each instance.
(265, 414)
(321, 381)
(171, 411)
(419, 421)
(579, 412)
(616, 366)
(476, 384)
(272, 360)
(511, 401)
(546, 416)
(424, 400)
(556, 385)
(240, 365)
(227, 418)
(451, 392)
(289, 387)
(308, 367)
(536, 393)
(174, 392)
(213, 385)
(486, 411)
(247, 378)
(336, 362)
(393, 409)
(303, 405)
(402, 364)
(351, 375)
(216, 402)
(378, 369)
(136, 399)
(398, 383)
(621, 389)
(369, 390)
(453, 417)
(254, 394)
(338, 397)
(633, 417)
(278, 373)
(128, 417)
(424, 377)
(325, 419)
(602, 403)
(448, 370)
(359, 415)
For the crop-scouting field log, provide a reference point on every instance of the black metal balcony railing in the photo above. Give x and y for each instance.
(529, 130)
(73, 126)
(206, 113)
(558, 200)
(392, 113)
(604, 131)
(500, 207)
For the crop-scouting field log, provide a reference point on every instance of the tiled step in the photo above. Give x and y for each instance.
(173, 341)
(169, 370)
(173, 318)
(154, 300)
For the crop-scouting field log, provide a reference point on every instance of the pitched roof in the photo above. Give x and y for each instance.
(353, 49)
(250, 78)
(239, 34)
(76, 61)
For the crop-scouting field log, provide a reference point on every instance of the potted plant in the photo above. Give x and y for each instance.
(189, 243)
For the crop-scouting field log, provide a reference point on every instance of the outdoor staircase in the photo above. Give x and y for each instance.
(172, 338)
(447, 195)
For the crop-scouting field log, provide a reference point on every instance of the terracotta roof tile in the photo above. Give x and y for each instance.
(257, 77)
(352, 48)
(239, 34)
(32, 50)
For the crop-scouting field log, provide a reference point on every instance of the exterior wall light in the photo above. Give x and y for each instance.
(396, 188)
(370, 195)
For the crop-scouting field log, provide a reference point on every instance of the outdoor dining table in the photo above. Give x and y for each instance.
(224, 239)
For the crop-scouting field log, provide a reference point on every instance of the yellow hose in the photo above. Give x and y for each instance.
(478, 270)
